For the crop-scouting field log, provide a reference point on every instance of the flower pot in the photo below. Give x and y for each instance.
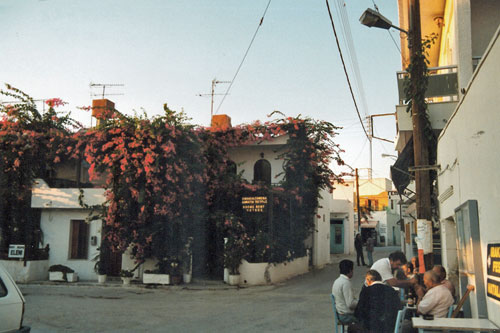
(56, 276)
(150, 278)
(234, 280)
(186, 278)
(176, 279)
(72, 277)
(101, 278)
(126, 280)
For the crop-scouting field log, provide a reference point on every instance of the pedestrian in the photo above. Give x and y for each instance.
(345, 301)
(358, 245)
(369, 250)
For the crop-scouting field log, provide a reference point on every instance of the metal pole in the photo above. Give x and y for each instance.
(357, 201)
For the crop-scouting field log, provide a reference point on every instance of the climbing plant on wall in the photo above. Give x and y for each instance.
(32, 143)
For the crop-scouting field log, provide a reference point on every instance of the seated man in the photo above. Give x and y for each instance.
(378, 305)
(386, 266)
(439, 270)
(437, 298)
(342, 291)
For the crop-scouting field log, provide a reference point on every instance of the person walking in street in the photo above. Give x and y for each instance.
(345, 301)
(369, 250)
(358, 245)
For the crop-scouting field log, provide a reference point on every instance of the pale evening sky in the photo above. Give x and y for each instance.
(169, 51)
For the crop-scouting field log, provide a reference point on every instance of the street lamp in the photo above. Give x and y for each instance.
(423, 201)
(372, 18)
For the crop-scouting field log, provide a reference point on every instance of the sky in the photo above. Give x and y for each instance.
(165, 51)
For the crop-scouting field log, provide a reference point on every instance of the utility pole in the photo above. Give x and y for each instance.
(357, 201)
(420, 147)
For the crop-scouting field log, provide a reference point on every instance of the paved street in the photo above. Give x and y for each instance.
(300, 304)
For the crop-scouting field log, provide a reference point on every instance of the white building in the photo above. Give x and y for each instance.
(469, 184)
(462, 106)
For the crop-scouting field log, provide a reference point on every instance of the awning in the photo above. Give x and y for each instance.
(369, 224)
(399, 171)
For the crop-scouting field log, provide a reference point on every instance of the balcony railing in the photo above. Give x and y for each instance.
(443, 84)
(441, 96)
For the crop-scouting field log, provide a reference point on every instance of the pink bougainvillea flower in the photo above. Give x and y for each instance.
(55, 102)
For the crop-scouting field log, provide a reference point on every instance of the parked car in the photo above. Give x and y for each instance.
(11, 304)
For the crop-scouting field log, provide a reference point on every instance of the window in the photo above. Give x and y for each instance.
(392, 204)
(3, 289)
(262, 171)
(79, 240)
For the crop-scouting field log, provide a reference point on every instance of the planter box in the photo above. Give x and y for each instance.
(59, 277)
(253, 274)
(56, 276)
(23, 272)
(234, 280)
(149, 278)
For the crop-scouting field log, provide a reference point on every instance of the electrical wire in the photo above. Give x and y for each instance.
(351, 53)
(345, 69)
(244, 57)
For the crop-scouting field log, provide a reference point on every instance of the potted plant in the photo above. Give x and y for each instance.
(187, 261)
(100, 269)
(126, 276)
(234, 249)
(161, 275)
(62, 273)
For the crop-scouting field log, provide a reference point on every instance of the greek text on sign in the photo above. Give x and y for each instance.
(493, 259)
(254, 204)
(493, 289)
(16, 251)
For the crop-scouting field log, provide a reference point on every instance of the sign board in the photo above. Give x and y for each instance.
(493, 289)
(16, 251)
(255, 204)
(493, 259)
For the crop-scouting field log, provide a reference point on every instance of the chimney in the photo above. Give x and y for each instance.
(102, 109)
(220, 122)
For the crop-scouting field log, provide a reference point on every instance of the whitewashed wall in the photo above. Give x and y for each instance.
(321, 250)
(246, 156)
(55, 225)
(469, 157)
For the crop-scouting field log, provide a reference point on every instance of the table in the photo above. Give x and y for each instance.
(456, 324)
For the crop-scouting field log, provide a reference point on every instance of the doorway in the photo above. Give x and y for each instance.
(336, 236)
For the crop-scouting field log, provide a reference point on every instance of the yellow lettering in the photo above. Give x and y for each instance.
(495, 252)
(496, 266)
(493, 290)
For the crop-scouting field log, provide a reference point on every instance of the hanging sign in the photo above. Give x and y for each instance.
(253, 204)
(493, 259)
(16, 251)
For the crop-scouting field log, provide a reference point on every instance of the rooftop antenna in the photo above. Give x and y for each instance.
(212, 94)
(103, 86)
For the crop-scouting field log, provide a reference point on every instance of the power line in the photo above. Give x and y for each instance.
(345, 70)
(388, 31)
(244, 57)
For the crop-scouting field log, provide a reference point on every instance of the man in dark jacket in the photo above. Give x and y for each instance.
(358, 245)
(378, 305)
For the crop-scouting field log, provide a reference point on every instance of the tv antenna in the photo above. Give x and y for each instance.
(212, 94)
(103, 86)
